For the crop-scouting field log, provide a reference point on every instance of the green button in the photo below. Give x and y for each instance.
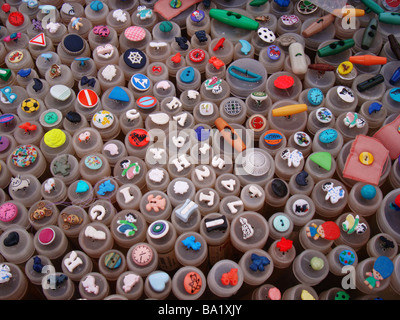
(51, 117)
(317, 263)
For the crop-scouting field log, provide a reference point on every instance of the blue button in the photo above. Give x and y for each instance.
(140, 82)
(118, 94)
(315, 96)
(328, 136)
(273, 52)
(281, 223)
(187, 75)
(135, 58)
(197, 15)
(395, 94)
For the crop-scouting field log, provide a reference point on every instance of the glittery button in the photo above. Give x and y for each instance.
(112, 260)
(54, 138)
(46, 236)
(103, 119)
(93, 162)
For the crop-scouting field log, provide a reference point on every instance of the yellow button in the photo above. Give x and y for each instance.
(345, 68)
(54, 138)
(366, 158)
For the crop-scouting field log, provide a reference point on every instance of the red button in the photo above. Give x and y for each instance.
(197, 55)
(46, 236)
(139, 138)
(16, 18)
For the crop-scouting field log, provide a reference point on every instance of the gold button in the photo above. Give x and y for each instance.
(345, 68)
(366, 158)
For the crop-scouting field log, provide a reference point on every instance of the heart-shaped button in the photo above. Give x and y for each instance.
(12, 239)
(81, 186)
(158, 281)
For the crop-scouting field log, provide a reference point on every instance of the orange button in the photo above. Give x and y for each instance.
(366, 158)
(192, 283)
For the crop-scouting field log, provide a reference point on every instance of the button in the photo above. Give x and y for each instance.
(302, 139)
(165, 26)
(395, 94)
(87, 98)
(139, 138)
(347, 257)
(112, 260)
(266, 35)
(345, 93)
(192, 283)
(73, 44)
(317, 263)
(54, 71)
(4, 143)
(301, 207)
(30, 105)
(24, 156)
(273, 137)
(324, 115)
(315, 96)
(142, 254)
(368, 192)
(135, 33)
(93, 162)
(328, 136)
(366, 158)
(16, 18)
(103, 119)
(50, 117)
(134, 58)
(158, 229)
(197, 15)
(197, 55)
(175, 4)
(146, 102)
(345, 68)
(290, 20)
(322, 159)
(274, 52)
(60, 92)
(233, 107)
(140, 82)
(119, 94)
(281, 223)
(187, 75)
(15, 56)
(257, 122)
(306, 7)
(279, 188)
(8, 212)
(54, 138)
(46, 236)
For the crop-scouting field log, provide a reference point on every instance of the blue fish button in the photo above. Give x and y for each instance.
(187, 75)
(328, 136)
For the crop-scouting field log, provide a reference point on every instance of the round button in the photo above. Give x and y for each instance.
(197, 55)
(345, 93)
(24, 156)
(302, 139)
(347, 257)
(4, 143)
(15, 56)
(197, 15)
(8, 212)
(73, 44)
(368, 192)
(142, 255)
(315, 96)
(46, 236)
(257, 122)
(324, 115)
(158, 229)
(134, 58)
(139, 138)
(87, 98)
(281, 223)
(93, 162)
(103, 119)
(16, 18)
(301, 207)
(366, 158)
(135, 33)
(192, 282)
(273, 137)
(50, 117)
(345, 68)
(54, 138)
(274, 52)
(112, 260)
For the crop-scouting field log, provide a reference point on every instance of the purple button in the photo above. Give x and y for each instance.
(4, 143)
(274, 53)
(197, 15)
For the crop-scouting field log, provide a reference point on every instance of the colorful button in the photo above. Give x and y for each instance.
(103, 119)
(281, 223)
(55, 71)
(8, 212)
(257, 122)
(273, 137)
(175, 4)
(315, 96)
(290, 20)
(82, 187)
(302, 139)
(197, 55)
(146, 102)
(139, 138)
(165, 26)
(112, 260)
(46, 236)
(306, 7)
(135, 33)
(324, 115)
(345, 68)
(54, 138)
(366, 158)
(192, 283)
(140, 82)
(30, 105)
(15, 56)
(24, 156)
(87, 98)
(301, 207)
(158, 229)
(93, 162)
(134, 58)
(347, 257)
(274, 52)
(197, 15)
(6, 118)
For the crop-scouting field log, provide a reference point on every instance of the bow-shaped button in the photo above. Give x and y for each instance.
(90, 82)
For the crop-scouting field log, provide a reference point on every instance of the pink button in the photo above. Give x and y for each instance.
(46, 236)
(135, 33)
